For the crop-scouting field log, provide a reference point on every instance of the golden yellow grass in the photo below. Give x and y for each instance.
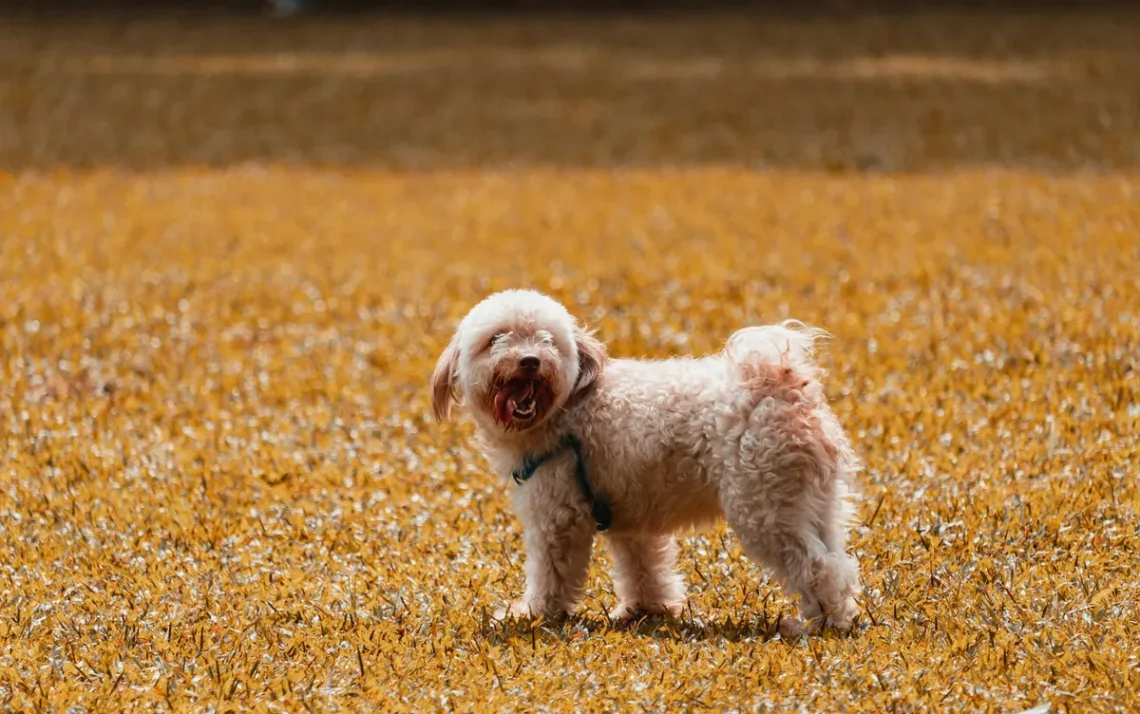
(230, 252)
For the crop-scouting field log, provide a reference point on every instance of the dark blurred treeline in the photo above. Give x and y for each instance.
(623, 7)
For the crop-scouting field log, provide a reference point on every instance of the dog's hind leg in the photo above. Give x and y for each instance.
(644, 577)
(826, 582)
(800, 535)
(786, 490)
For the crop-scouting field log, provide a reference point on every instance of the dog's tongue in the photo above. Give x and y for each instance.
(509, 396)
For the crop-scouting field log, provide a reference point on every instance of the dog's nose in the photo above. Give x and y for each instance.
(530, 363)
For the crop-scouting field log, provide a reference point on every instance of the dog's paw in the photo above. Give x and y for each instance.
(530, 610)
(522, 609)
(632, 610)
(791, 627)
(842, 619)
(843, 615)
(516, 610)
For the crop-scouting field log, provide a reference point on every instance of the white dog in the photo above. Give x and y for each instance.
(642, 449)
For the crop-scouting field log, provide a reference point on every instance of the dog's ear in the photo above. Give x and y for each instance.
(591, 357)
(443, 381)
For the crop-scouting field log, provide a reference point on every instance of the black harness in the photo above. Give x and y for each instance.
(532, 462)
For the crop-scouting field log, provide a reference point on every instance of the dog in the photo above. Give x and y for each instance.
(642, 449)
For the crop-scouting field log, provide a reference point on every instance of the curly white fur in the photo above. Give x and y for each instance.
(745, 435)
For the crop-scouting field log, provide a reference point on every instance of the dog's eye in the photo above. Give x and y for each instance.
(547, 340)
(495, 338)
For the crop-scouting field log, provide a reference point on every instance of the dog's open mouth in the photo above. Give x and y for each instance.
(517, 400)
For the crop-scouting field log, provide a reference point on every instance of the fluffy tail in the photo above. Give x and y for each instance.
(761, 351)
(778, 361)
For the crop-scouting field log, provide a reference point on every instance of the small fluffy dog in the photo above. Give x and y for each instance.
(641, 449)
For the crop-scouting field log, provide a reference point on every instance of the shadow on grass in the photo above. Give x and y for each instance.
(907, 92)
(762, 627)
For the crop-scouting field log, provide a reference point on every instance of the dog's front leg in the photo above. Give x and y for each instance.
(558, 539)
(644, 577)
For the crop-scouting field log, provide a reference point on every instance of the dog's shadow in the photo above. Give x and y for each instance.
(761, 628)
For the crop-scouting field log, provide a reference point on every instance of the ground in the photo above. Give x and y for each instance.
(231, 250)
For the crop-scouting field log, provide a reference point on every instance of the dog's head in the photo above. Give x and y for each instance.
(515, 359)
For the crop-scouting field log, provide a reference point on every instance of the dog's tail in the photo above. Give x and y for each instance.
(775, 353)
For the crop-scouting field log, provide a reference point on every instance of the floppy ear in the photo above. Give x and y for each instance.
(443, 381)
(591, 357)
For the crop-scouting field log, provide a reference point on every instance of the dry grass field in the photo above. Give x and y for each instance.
(231, 249)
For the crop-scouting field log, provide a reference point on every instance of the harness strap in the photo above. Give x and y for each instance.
(532, 462)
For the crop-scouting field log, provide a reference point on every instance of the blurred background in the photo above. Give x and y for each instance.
(835, 85)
